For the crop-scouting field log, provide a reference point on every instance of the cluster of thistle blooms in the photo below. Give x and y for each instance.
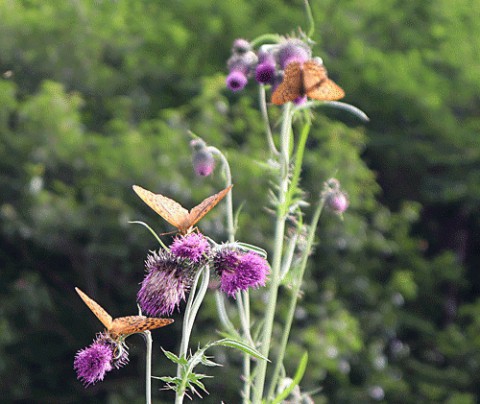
(170, 273)
(267, 64)
(169, 276)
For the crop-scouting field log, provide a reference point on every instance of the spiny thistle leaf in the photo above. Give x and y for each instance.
(242, 347)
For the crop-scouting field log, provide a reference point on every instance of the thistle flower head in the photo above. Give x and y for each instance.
(236, 80)
(239, 270)
(265, 73)
(293, 50)
(241, 46)
(93, 362)
(240, 66)
(193, 247)
(244, 63)
(119, 349)
(165, 285)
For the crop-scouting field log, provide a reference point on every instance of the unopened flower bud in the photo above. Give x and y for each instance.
(241, 46)
(338, 202)
(202, 159)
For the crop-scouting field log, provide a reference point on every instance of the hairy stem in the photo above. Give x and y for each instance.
(282, 210)
(195, 299)
(297, 283)
(263, 108)
(148, 367)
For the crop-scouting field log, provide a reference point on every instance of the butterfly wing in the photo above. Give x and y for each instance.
(99, 311)
(291, 86)
(317, 84)
(134, 324)
(171, 211)
(204, 207)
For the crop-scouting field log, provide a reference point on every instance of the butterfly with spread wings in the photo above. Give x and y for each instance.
(176, 214)
(310, 79)
(123, 325)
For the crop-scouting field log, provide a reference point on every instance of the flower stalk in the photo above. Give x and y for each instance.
(194, 302)
(281, 216)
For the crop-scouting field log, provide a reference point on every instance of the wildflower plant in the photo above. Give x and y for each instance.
(182, 271)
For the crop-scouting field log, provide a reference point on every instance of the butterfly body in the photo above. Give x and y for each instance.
(176, 214)
(123, 325)
(310, 79)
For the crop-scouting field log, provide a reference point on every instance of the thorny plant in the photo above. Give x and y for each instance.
(185, 268)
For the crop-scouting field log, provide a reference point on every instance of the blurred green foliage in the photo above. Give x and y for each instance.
(98, 96)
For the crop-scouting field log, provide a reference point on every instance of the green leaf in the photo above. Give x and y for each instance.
(174, 358)
(242, 347)
(296, 380)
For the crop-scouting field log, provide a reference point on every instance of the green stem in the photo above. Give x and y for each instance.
(222, 312)
(263, 108)
(243, 309)
(297, 169)
(266, 38)
(246, 358)
(195, 299)
(151, 231)
(282, 210)
(294, 297)
(311, 21)
(148, 367)
(228, 198)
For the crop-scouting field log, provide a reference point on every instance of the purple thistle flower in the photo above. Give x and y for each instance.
(265, 73)
(119, 349)
(93, 362)
(293, 50)
(240, 65)
(193, 246)
(236, 80)
(240, 271)
(166, 284)
(265, 70)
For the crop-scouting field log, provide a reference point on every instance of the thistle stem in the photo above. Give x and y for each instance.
(282, 210)
(228, 198)
(263, 108)
(194, 302)
(242, 304)
(297, 283)
(148, 367)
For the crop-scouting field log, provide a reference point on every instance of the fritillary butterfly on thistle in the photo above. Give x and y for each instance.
(176, 214)
(123, 325)
(310, 79)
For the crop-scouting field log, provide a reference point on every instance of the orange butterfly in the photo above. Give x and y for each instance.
(123, 325)
(176, 214)
(308, 79)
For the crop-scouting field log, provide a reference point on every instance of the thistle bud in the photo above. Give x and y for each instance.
(335, 198)
(202, 159)
(241, 46)
(337, 202)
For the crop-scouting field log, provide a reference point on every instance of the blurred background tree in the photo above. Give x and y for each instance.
(97, 96)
